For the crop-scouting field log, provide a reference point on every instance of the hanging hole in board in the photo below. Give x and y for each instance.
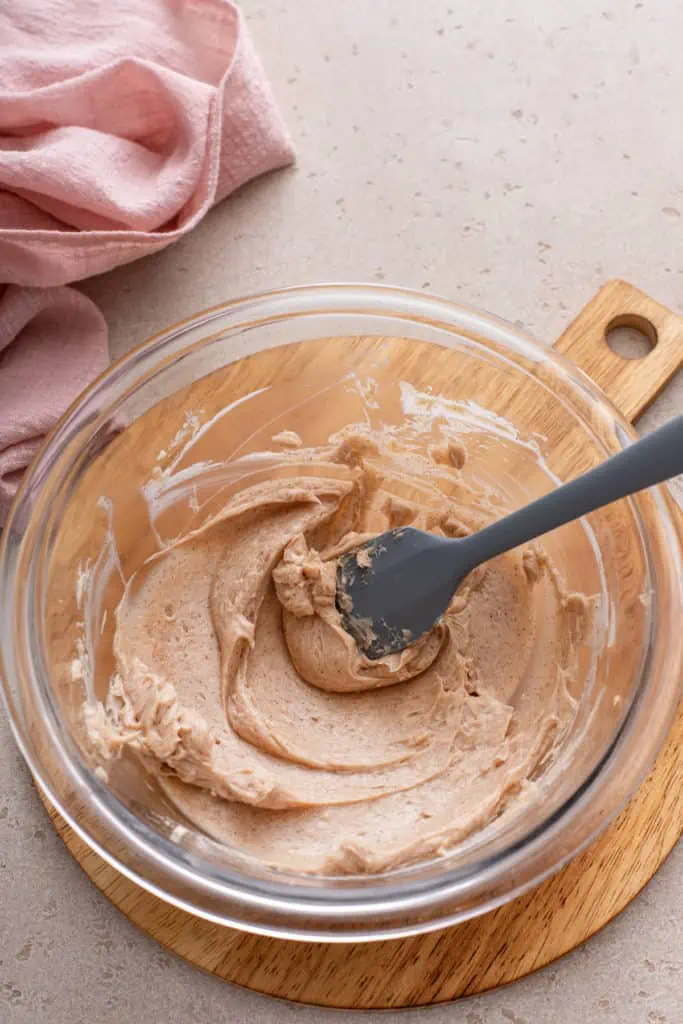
(631, 336)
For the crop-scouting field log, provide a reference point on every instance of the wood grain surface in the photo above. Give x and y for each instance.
(532, 930)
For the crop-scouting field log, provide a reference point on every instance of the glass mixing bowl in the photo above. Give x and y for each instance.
(527, 409)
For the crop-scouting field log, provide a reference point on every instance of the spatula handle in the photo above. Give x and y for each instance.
(655, 458)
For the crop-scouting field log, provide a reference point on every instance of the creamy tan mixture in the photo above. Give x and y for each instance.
(238, 687)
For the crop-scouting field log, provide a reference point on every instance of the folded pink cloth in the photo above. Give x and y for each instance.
(53, 341)
(121, 124)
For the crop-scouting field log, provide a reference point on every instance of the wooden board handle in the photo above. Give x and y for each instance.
(631, 384)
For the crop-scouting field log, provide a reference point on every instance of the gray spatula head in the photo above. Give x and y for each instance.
(394, 588)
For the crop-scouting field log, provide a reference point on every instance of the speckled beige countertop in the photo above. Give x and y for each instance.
(510, 155)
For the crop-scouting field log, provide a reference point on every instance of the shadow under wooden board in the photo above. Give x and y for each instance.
(532, 930)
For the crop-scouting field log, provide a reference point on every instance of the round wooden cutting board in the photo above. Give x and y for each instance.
(533, 930)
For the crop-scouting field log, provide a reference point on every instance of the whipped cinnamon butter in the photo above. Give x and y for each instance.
(237, 686)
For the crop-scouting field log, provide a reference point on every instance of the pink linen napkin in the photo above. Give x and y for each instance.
(53, 341)
(121, 124)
